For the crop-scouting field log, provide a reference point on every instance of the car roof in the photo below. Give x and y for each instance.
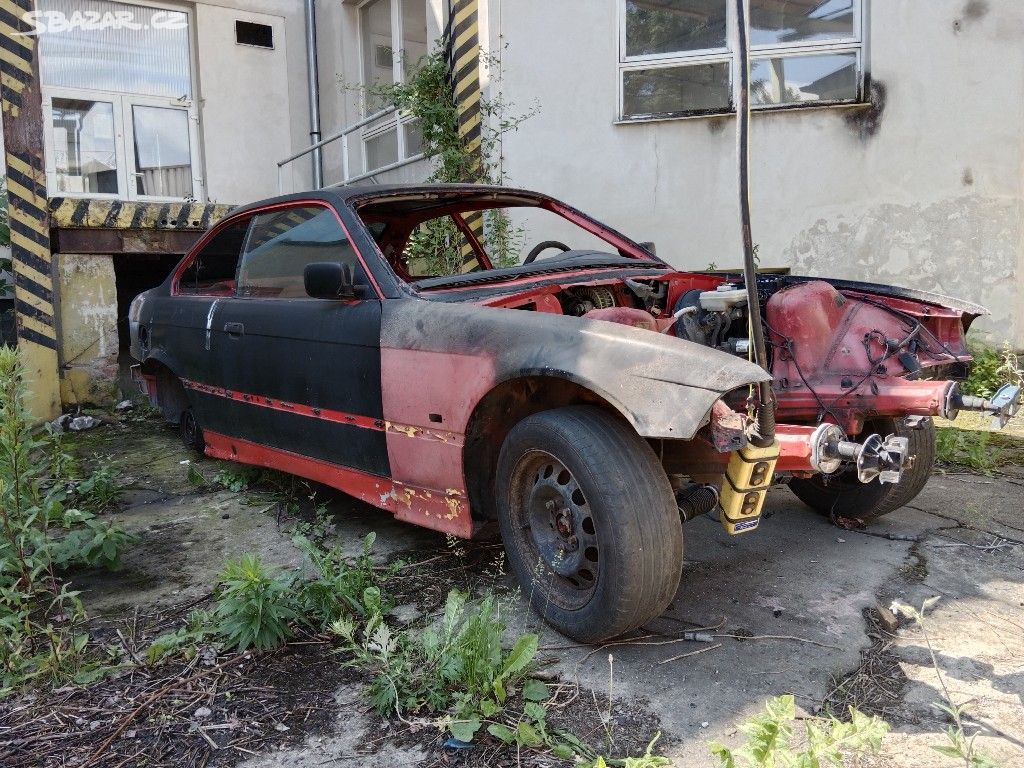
(347, 194)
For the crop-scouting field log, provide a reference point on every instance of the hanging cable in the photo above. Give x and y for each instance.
(764, 426)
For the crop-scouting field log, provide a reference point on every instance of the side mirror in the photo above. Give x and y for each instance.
(330, 280)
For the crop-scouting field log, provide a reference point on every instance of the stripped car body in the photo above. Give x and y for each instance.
(403, 390)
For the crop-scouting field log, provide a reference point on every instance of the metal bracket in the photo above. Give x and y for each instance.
(1004, 404)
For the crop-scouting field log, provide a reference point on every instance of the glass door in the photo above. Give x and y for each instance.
(161, 148)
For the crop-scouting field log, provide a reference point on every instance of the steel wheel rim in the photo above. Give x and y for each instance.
(555, 524)
(190, 427)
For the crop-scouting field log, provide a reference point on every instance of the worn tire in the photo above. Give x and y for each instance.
(190, 431)
(628, 515)
(844, 495)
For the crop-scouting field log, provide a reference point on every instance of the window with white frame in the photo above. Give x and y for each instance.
(117, 100)
(677, 57)
(393, 38)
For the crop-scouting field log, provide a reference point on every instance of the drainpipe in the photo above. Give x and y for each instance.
(765, 421)
(313, 77)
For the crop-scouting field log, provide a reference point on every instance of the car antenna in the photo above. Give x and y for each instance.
(764, 423)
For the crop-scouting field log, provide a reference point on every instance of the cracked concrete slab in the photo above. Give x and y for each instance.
(785, 606)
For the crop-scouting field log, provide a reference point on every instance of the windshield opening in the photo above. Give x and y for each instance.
(427, 238)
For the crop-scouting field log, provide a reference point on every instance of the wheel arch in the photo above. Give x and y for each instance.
(504, 406)
(169, 393)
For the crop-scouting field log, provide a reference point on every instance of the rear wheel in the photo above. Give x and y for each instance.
(191, 432)
(589, 522)
(843, 495)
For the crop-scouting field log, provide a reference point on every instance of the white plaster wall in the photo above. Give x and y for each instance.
(253, 100)
(931, 199)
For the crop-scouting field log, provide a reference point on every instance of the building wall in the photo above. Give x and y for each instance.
(88, 328)
(924, 190)
(253, 99)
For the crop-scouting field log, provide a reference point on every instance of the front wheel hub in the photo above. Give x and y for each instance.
(560, 524)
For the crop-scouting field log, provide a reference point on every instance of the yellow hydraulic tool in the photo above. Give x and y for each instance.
(747, 478)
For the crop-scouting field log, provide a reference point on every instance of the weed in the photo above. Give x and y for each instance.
(991, 369)
(967, 448)
(254, 605)
(198, 628)
(646, 760)
(338, 586)
(458, 666)
(40, 615)
(960, 745)
(95, 545)
(234, 479)
(828, 740)
(98, 490)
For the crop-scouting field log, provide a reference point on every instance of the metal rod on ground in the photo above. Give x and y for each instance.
(765, 423)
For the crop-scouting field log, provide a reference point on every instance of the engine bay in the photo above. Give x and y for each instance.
(838, 354)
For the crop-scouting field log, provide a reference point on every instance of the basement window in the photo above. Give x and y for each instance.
(677, 57)
(250, 33)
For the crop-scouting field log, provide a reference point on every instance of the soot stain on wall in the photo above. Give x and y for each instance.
(867, 120)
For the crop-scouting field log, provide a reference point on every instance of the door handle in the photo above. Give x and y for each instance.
(234, 330)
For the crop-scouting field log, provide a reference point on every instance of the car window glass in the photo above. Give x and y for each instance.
(212, 271)
(283, 242)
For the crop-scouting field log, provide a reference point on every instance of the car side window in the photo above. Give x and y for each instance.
(281, 244)
(212, 271)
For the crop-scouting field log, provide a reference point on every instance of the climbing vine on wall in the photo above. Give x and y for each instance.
(427, 95)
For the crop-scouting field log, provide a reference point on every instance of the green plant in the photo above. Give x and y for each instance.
(198, 628)
(960, 746)
(339, 585)
(458, 666)
(254, 605)
(647, 760)
(98, 490)
(967, 448)
(436, 246)
(233, 479)
(828, 741)
(992, 368)
(94, 545)
(40, 615)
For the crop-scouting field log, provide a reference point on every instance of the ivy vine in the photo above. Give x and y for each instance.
(427, 95)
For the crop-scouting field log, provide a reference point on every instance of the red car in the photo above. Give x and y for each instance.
(588, 400)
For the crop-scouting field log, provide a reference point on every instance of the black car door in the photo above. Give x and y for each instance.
(305, 372)
(187, 326)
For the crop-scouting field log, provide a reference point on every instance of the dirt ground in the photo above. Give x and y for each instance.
(793, 608)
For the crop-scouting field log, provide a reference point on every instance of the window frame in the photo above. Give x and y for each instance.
(397, 120)
(193, 254)
(124, 126)
(856, 44)
(254, 215)
(374, 292)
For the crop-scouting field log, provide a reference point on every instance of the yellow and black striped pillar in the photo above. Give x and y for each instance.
(465, 64)
(27, 207)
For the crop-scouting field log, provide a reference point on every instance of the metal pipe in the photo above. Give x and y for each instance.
(313, 76)
(765, 421)
(337, 135)
(377, 171)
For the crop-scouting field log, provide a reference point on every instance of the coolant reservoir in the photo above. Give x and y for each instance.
(724, 299)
